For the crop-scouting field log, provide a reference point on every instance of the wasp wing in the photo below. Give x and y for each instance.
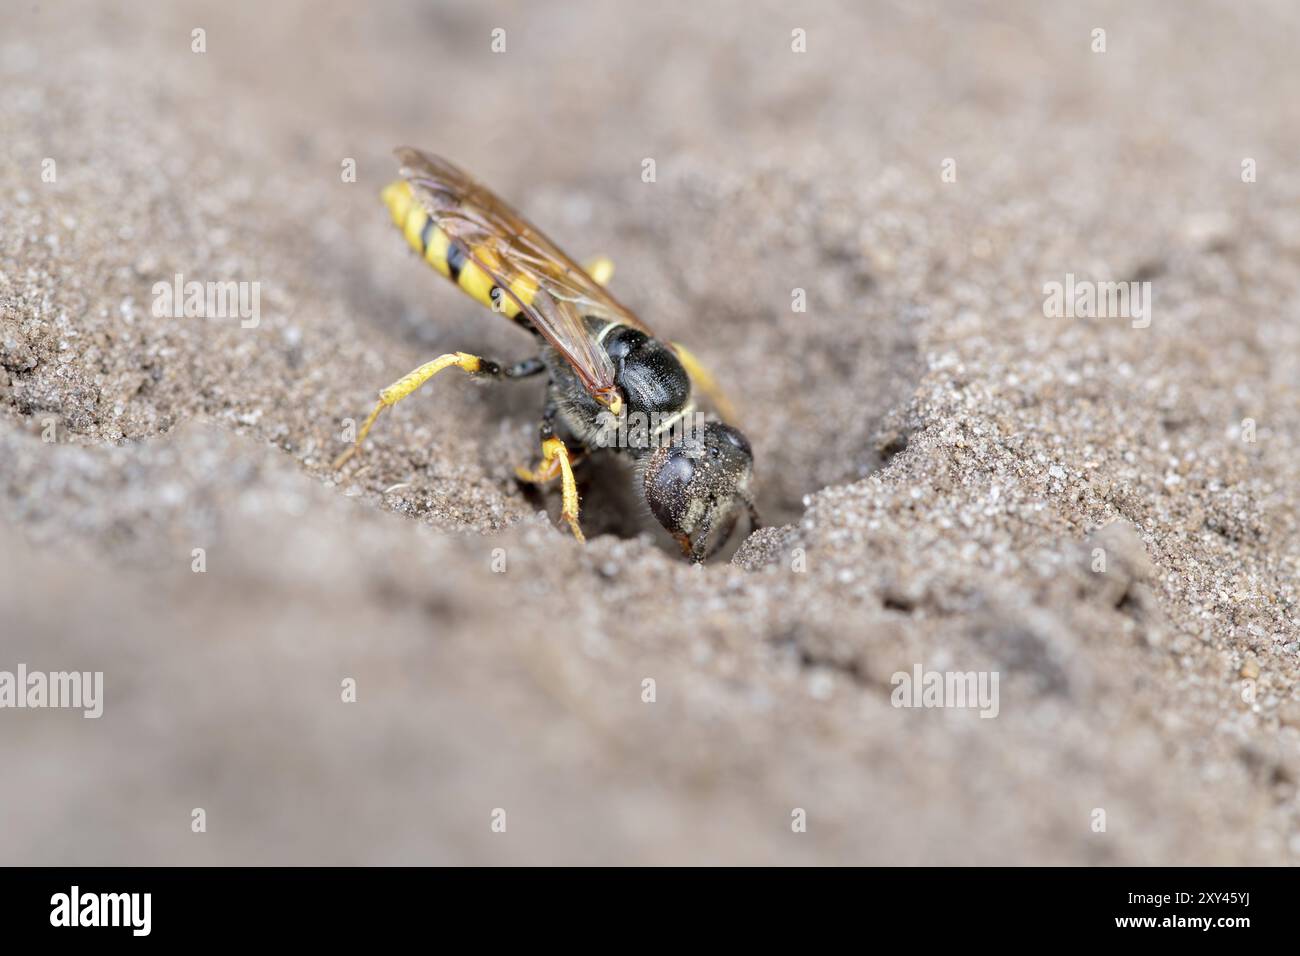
(553, 291)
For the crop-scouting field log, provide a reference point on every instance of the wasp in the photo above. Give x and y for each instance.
(612, 384)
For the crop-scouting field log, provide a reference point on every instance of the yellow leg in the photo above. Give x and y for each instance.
(706, 382)
(409, 383)
(555, 459)
(601, 269)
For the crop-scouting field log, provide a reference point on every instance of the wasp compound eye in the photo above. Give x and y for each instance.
(667, 486)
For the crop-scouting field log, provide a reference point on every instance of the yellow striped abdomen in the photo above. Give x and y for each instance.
(449, 257)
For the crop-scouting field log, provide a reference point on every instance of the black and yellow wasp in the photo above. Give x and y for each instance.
(613, 385)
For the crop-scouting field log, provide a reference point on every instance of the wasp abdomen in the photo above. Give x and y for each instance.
(450, 257)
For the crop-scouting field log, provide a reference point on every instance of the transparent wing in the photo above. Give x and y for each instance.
(551, 290)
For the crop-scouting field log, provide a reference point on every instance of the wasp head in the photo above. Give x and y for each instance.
(696, 485)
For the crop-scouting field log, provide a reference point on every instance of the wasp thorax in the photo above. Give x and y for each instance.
(648, 372)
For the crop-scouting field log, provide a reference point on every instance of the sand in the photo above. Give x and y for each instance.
(938, 461)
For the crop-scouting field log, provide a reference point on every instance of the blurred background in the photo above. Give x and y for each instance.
(937, 460)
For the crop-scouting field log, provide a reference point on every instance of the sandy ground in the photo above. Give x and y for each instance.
(938, 461)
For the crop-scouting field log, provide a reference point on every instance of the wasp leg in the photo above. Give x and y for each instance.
(407, 384)
(525, 369)
(601, 269)
(701, 378)
(556, 460)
